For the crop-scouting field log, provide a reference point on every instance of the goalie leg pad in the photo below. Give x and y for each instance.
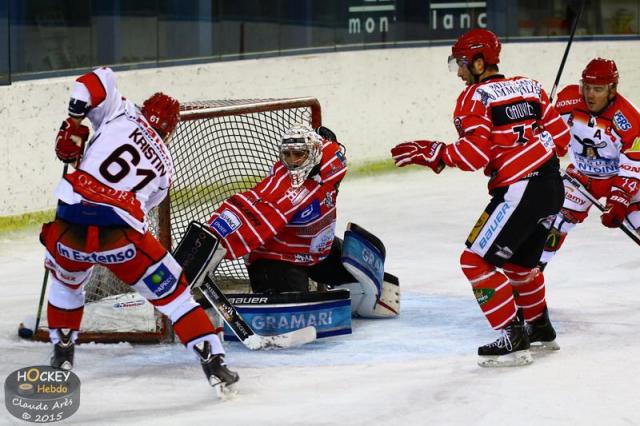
(389, 302)
(199, 253)
(274, 314)
(386, 306)
(363, 256)
(376, 294)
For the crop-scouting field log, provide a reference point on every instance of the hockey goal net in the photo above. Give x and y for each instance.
(219, 149)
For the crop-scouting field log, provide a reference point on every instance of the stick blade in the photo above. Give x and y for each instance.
(291, 339)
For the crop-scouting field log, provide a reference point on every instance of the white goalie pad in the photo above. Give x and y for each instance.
(387, 305)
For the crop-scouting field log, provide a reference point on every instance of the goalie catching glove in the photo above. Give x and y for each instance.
(70, 140)
(423, 153)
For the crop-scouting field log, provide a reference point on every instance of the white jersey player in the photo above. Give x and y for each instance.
(101, 218)
(605, 152)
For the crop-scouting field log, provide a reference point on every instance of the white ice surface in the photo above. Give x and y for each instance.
(419, 369)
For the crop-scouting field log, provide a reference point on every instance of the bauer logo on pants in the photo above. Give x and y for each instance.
(42, 394)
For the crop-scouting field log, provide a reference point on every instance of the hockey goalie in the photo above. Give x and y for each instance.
(284, 228)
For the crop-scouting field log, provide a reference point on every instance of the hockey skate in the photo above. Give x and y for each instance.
(510, 350)
(541, 334)
(216, 371)
(62, 357)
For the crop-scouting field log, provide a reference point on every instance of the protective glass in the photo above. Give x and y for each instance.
(455, 63)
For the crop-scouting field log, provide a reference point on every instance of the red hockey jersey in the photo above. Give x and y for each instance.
(276, 221)
(506, 126)
(602, 145)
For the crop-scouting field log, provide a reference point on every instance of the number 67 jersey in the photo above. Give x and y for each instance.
(126, 166)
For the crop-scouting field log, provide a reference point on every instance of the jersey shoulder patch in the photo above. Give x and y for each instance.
(625, 118)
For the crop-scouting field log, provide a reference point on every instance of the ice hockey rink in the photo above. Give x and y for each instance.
(418, 369)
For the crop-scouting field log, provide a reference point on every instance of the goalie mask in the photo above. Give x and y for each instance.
(300, 152)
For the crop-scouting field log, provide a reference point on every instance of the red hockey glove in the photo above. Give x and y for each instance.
(574, 173)
(424, 153)
(622, 190)
(326, 134)
(616, 209)
(561, 151)
(70, 139)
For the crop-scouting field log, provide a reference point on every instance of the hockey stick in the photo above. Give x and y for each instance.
(243, 331)
(566, 52)
(625, 226)
(45, 280)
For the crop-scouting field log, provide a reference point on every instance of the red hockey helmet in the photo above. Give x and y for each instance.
(162, 112)
(600, 71)
(475, 43)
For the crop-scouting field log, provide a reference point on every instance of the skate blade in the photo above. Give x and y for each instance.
(66, 366)
(225, 391)
(545, 346)
(515, 359)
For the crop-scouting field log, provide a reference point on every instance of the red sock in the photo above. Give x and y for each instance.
(492, 289)
(528, 289)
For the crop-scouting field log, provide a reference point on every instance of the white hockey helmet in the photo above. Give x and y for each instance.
(300, 152)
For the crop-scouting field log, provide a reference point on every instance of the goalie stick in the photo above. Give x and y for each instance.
(200, 253)
(243, 331)
(625, 226)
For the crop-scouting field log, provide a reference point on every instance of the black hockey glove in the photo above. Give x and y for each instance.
(326, 134)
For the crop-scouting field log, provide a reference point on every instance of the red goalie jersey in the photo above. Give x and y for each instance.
(274, 220)
(506, 126)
